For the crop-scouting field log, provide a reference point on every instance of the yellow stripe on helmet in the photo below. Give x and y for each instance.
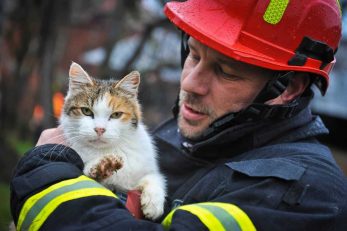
(275, 11)
(339, 5)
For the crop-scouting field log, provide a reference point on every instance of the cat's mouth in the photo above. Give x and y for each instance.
(97, 141)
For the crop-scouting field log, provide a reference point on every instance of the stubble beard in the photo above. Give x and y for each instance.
(195, 128)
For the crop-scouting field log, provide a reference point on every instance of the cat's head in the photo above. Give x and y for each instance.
(99, 113)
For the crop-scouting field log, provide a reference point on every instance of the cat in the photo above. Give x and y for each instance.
(101, 121)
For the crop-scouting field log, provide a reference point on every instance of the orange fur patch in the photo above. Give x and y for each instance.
(129, 108)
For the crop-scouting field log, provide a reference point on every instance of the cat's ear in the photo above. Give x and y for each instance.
(78, 77)
(130, 82)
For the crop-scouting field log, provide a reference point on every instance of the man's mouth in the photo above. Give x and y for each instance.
(191, 114)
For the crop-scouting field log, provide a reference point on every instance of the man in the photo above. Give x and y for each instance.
(240, 152)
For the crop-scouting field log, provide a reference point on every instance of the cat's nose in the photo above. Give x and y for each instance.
(99, 131)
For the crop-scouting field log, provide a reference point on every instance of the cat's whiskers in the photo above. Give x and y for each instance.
(72, 139)
(50, 151)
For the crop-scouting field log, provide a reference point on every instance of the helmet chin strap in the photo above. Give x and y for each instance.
(274, 87)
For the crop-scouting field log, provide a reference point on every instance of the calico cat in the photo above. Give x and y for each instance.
(101, 120)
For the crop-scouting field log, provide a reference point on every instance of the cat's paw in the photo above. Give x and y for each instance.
(152, 205)
(106, 167)
(152, 199)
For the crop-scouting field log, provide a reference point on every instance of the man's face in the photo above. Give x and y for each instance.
(213, 85)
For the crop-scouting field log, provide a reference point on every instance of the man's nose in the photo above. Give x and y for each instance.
(196, 80)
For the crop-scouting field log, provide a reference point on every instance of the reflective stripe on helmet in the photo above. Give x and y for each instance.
(215, 216)
(275, 11)
(39, 206)
(339, 5)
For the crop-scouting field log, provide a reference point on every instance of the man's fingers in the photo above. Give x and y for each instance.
(52, 136)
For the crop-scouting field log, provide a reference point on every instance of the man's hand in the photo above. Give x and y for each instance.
(52, 136)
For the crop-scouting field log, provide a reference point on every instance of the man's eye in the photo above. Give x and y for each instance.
(86, 111)
(116, 115)
(194, 56)
(226, 75)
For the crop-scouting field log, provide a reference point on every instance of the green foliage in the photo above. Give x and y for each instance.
(5, 217)
(19, 145)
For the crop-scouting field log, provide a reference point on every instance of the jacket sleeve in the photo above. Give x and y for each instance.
(269, 194)
(50, 192)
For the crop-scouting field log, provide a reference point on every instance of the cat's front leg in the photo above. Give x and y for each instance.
(153, 193)
(103, 167)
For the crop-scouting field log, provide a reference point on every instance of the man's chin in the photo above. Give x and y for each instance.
(191, 129)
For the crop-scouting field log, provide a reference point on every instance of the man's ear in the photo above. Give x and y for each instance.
(297, 85)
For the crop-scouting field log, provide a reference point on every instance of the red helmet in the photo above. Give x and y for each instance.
(282, 35)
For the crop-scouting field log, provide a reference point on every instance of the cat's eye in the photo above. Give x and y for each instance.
(86, 111)
(116, 115)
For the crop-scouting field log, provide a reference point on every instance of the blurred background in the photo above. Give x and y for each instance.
(109, 38)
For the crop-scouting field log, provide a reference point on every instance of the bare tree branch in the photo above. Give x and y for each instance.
(145, 36)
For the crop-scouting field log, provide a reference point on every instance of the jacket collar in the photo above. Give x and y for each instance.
(241, 138)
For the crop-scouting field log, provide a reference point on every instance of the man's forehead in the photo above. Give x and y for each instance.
(195, 44)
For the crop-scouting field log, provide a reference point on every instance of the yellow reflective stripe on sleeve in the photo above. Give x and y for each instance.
(205, 216)
(216, 216)
(32, 200)
(168, 219)
(38, 202)
(240, 216)
(51, 206)
(228, 221)
(275, 11)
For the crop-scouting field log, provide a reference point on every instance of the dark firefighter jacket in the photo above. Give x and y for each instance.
(272, 175)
